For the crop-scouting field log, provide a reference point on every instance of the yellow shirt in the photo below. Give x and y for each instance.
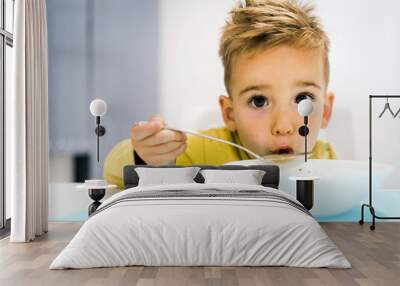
(198, 151)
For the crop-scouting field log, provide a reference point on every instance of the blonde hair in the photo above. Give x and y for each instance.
(262, 24)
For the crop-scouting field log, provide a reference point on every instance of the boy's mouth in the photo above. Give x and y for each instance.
(283, 150)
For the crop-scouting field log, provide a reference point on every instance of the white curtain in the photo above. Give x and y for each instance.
(27, 153)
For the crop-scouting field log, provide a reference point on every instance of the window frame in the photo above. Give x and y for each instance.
(6, 39)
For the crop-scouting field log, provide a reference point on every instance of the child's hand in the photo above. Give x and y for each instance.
(156, 145)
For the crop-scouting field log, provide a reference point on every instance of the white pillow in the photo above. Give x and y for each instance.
(249, 177)
(160, 176)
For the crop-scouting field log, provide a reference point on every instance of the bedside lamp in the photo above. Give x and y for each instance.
(97, 188)
(305, 179)
(98, 108)
(305, 108)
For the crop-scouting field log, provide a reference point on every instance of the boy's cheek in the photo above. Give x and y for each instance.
(256, 134)
(253, 135)
(314, 128)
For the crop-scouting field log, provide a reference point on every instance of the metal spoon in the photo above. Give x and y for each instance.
(268, 158)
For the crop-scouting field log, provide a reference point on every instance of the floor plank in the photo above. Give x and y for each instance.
(374, 255)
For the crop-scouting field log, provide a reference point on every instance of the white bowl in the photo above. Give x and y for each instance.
(343, 184)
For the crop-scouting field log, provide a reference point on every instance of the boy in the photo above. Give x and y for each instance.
(275, 54)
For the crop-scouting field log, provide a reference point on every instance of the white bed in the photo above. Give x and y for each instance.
(224, 225)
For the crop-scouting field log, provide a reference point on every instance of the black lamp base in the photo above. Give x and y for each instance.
(305, 193)
(96, 195)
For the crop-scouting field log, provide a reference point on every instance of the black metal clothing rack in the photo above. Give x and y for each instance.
(369, 205)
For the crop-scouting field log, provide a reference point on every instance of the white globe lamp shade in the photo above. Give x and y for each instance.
(98, 107)
(305, 107)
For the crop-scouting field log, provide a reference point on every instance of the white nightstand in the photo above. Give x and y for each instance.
(96, 193)
(305, 190)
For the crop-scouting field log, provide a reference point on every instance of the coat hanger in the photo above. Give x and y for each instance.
(387, 107)
(397, 113)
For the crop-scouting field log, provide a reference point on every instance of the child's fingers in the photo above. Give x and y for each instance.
(142, 130)
(163, 149)
(168, 157)
(163, 137)
(157, 118)
(156, 145)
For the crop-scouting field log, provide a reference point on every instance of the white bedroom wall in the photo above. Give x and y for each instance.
(365, 38)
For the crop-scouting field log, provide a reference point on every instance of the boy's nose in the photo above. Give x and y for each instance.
(282, 131)
(282, 127)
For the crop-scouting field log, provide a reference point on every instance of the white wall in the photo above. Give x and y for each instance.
(365, 38)
(365, 59)
(99, 49)
(191, 75)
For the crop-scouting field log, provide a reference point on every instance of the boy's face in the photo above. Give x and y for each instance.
(265, 90)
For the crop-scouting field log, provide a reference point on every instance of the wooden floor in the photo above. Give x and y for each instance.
(374, 255)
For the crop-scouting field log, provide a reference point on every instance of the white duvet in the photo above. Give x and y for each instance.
(183, 231)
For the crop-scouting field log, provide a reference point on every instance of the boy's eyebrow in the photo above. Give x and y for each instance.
(307, 83)
(253, 87)
(267, 86)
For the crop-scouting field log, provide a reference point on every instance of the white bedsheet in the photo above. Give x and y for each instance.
(200, 231)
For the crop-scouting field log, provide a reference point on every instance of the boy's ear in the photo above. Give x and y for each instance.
(226, 105)
(328, 107)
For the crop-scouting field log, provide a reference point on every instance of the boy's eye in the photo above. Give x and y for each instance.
(304, 95)
(258, 101)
